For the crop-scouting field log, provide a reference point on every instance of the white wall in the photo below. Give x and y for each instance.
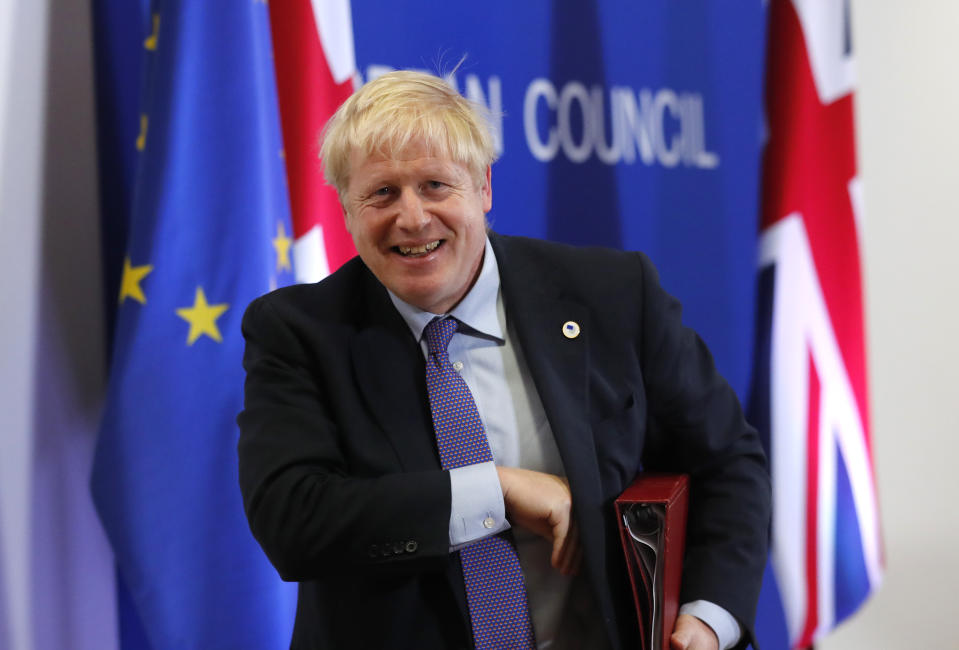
(56, 571)
(908, 130)
(22, 60)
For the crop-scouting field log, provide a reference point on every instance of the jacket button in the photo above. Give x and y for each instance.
(411, 546)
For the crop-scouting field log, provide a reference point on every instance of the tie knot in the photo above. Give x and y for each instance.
(438, 334)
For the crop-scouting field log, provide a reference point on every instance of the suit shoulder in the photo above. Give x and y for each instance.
(590, 268)
(551, 250)
(332, 298)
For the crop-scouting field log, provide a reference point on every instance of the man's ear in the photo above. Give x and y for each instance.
(487, 190)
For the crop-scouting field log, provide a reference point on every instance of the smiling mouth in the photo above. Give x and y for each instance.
(418, 251)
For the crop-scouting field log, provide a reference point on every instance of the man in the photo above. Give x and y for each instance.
(434, 435)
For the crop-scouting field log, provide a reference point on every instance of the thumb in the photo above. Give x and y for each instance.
(680, 639)
(684, 632)
(691, 633)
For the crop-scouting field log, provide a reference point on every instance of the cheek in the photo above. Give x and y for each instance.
(349, 218)
(476, 225)
(364, 229)
(352, 227)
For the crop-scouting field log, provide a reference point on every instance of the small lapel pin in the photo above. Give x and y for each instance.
(571, 329)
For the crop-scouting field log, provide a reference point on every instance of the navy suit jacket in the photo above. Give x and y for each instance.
(341, 478)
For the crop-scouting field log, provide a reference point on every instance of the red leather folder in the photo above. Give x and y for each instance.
(652, 524)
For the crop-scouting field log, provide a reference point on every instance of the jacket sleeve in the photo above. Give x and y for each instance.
(696, 426)
(314, 509)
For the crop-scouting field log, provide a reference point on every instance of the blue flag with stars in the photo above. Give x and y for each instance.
(209, 231)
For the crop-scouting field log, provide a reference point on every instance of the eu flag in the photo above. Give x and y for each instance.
(209, 232)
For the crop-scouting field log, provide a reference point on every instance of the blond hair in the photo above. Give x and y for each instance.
(389, 113)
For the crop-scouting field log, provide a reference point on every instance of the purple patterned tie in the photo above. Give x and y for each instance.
(494, 581)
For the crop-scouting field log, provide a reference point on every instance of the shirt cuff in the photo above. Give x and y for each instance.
(722, 622)
(477, 509)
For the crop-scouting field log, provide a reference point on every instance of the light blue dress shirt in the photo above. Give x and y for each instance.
(493, 367)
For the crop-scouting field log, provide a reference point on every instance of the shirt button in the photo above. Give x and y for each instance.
(457, 365)
(489, 522)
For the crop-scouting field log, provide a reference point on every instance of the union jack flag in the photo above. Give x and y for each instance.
(810, 397)
(315, 69)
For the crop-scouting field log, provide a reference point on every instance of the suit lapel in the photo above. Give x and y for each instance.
(390, 373)
(537, 311)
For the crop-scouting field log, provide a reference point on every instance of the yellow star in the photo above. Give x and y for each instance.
(202, 318)
(282, 243)
(150, 42)
(142, 137)
(130, 281)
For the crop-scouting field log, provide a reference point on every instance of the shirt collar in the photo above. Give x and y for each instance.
(477, 309)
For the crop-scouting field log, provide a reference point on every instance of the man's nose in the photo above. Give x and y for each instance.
(411, 214)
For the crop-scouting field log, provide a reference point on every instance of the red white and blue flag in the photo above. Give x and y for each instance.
(315, 69)
(811, 397)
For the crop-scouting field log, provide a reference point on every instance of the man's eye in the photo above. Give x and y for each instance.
(435, 185)
(383, 191)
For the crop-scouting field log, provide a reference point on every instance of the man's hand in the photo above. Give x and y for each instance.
(690, 633)
(542, 503)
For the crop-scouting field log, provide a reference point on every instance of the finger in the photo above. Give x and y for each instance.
(561, 530)
(554, 558)
(570, 549)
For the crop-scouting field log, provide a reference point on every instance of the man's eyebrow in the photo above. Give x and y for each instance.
(374, 182)
(446, 169)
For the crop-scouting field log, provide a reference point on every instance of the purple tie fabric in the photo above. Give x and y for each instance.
(495, 590)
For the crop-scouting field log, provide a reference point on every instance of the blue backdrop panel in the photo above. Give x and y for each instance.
(628, 124)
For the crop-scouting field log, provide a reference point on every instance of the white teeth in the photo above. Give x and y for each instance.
(419, 250)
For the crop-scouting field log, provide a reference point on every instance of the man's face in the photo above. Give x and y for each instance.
(419, 223)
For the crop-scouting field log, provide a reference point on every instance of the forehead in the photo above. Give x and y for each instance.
(415, 157)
